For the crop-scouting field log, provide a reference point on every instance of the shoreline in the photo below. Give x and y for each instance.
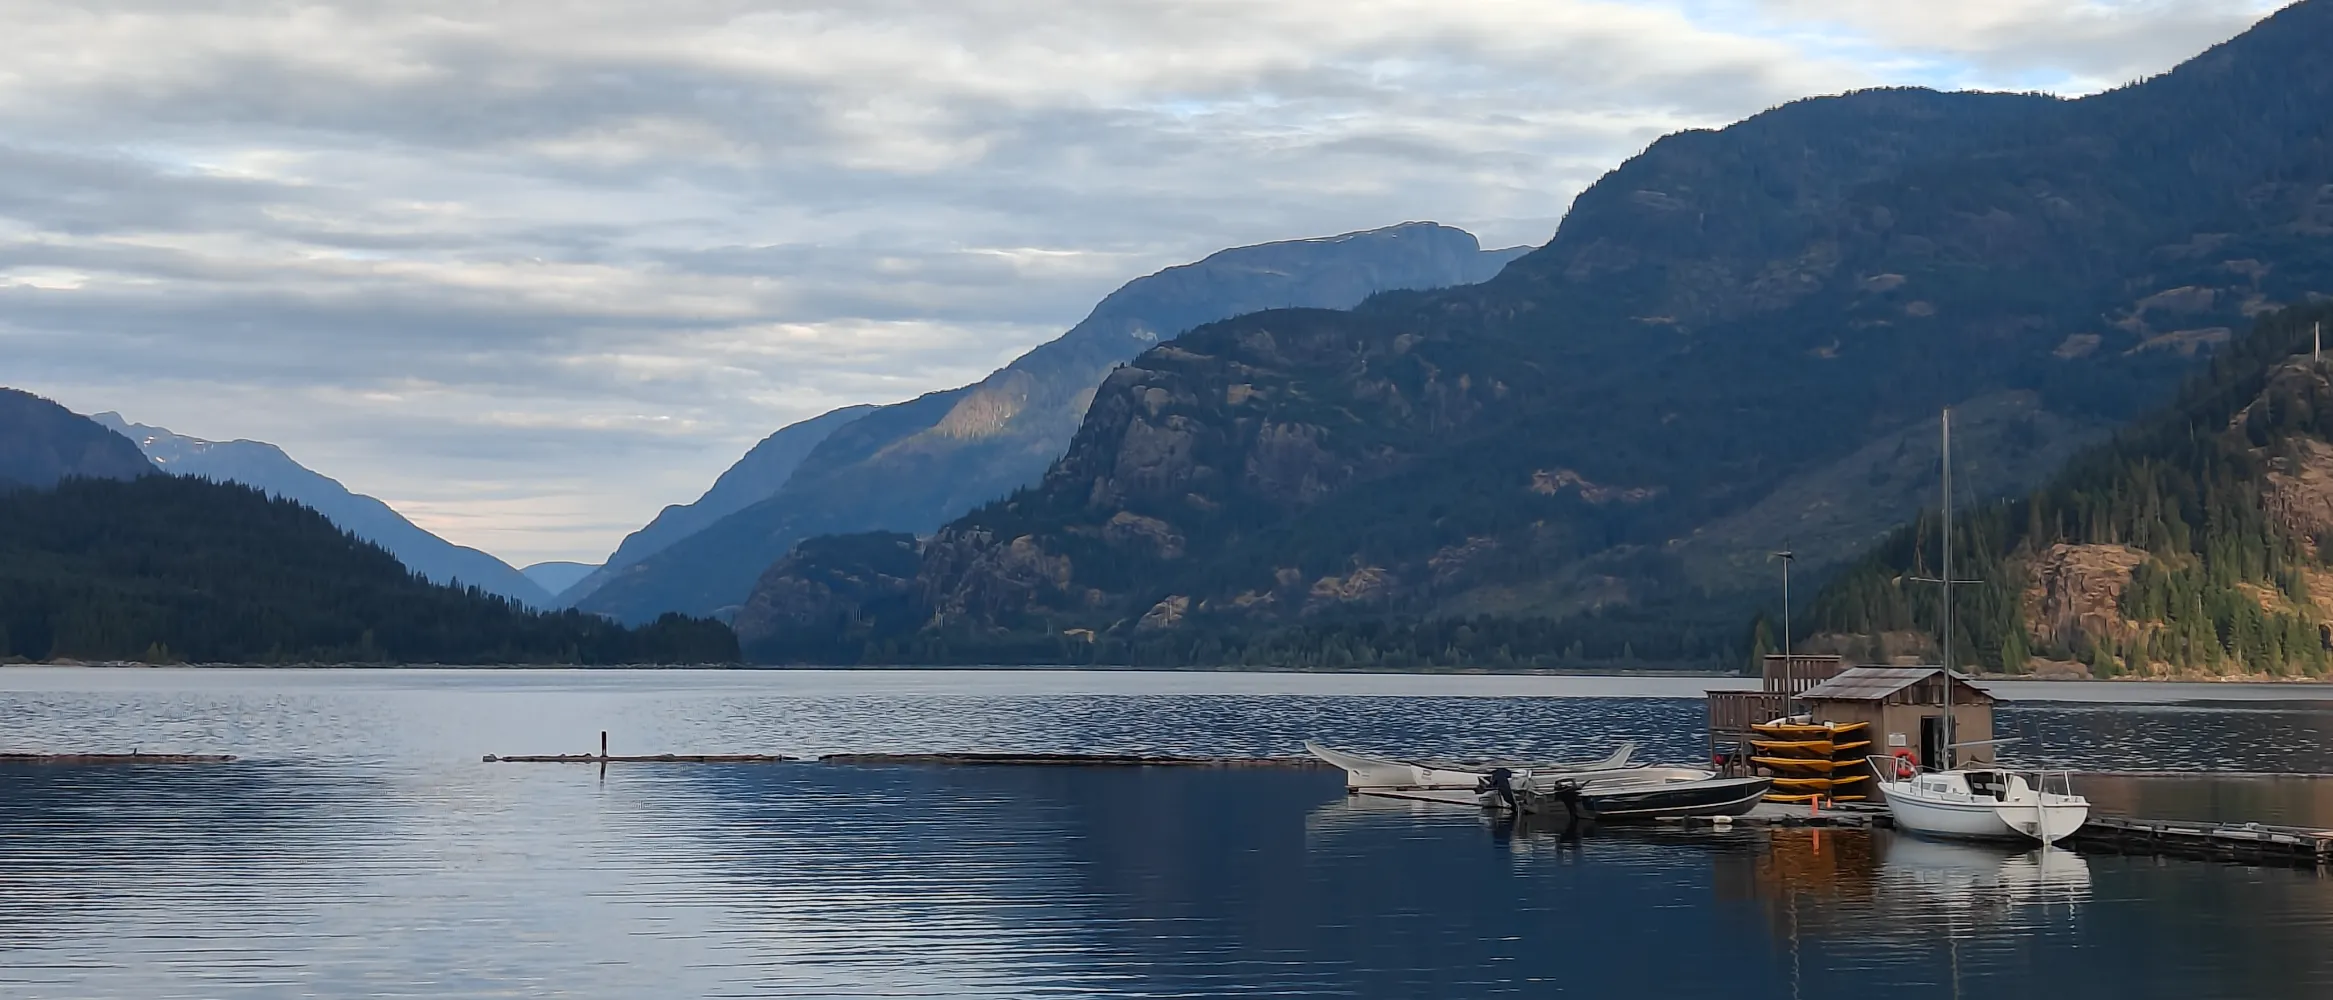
(1039, 681)
(2252, 680)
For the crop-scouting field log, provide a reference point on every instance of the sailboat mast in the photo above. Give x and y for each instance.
(1949, 735)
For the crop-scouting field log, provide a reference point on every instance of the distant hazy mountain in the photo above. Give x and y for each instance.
(266, 467)
(556, 575)
(911, 466)
(755, 477)
(41, 442)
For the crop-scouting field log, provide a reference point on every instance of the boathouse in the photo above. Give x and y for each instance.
(1904, 706)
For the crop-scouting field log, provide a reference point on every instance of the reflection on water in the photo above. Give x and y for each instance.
(366, 852)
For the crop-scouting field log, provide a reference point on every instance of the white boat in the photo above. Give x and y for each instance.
(1983, 803)
(1976, 802)
(1364, 773)
(1648, 794)
(1607, 789)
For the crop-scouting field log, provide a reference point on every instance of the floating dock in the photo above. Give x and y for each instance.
(2252, 843)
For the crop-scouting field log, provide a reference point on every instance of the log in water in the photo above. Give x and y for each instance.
(1069, 760)
(654, 758)
(115, 758)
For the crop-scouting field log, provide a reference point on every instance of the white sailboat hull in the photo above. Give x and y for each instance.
(2046, 818)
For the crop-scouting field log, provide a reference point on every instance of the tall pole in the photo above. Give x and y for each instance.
(1786, 556)
(1949, 721)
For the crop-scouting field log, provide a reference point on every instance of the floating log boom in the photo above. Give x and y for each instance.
(654, 758)
(135, 757)
(1067, 760)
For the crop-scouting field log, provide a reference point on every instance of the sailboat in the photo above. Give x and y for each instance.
(1979, 803)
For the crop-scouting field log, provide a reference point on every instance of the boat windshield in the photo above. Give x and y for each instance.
(1993, 783)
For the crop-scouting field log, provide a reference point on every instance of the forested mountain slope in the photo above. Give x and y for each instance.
(169, 568)
(2198, 543)
(911, 466)
(266, 467)
(1571, 460)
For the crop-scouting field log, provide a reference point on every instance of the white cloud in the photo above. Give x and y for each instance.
(533, 269)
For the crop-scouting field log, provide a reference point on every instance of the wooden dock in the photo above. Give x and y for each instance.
(2251, 843)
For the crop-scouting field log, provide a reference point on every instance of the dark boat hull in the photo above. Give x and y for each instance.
(1714, 797)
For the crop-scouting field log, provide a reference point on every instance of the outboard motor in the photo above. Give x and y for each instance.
(1502, 781)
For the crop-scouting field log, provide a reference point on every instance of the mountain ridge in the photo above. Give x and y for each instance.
(268, 468)
(759, 474)
(1715, 323)
(42, 442)
(910, 466)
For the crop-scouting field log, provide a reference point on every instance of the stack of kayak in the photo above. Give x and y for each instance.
(1813, 760)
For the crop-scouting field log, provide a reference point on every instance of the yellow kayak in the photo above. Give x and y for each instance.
(1804, 730)
(1794, 748)
(1806, 763)
(1817, 784)
(1812, 796)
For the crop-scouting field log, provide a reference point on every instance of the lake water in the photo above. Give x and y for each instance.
(361, 849)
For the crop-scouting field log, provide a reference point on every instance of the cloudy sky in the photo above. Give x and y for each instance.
(531, 269)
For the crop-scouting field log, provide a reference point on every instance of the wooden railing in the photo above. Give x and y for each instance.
(1792, 675)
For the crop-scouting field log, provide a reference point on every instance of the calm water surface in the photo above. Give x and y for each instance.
(361, 849)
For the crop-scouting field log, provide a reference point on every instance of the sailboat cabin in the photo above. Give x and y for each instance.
(1904, 706)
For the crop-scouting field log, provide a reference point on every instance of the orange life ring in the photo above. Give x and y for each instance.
(1904, 766)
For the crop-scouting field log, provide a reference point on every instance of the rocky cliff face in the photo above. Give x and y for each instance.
(914, 465)
(1716, 323)
(830, 594)
(41, 443)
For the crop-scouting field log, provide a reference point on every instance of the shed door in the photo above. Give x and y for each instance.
(1932, 741)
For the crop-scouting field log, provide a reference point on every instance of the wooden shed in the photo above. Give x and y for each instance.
(1905, 708)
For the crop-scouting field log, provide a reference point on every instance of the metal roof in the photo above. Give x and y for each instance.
(1875, 683)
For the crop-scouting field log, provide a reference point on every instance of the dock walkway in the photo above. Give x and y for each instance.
(2254, 843)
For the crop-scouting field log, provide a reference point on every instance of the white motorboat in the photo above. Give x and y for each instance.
(1983, 803)
(1607, 789)
(1636, 795)
(1364, 773)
